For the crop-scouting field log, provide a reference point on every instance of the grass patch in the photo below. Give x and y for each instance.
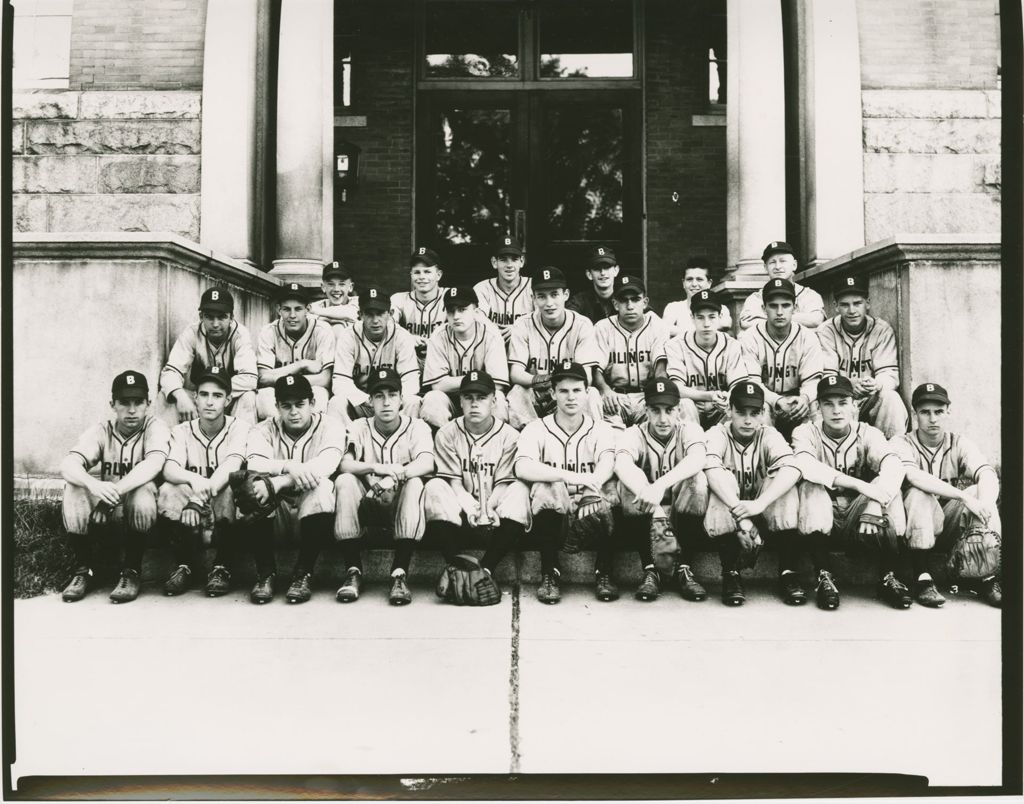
(43, 561)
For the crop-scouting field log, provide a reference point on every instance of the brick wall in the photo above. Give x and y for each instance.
(681, 157)
(142, 44)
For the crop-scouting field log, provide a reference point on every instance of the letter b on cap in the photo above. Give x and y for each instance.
(929, 387)
(130, 380)
(289, 381)
(750, 388)
(508, 241)
(382, 374)
(215, 295)
(474, 376)
(547, 274)
(849, 281)
(373, 293)
(660, 387)
(831, 380)
(600, 252)
(421, 251)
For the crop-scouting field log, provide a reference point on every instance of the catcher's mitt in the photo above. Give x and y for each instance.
(749, 546)
(975, 555)
(664, 546)
(384, 491)
(243, 488)
(592, 519)
(464, 583)
(884, 536)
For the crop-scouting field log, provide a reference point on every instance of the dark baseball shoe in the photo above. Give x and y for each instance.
(300, 591)
(732, 589)
(179, 581)
(827, 593)
(400, 593)
(128, 586)
(604, 589)
(792, 590)
(649, 587)
(926, 593)
(348, 592)
(78, 586)
(992, 592)
(263, 590)
(689, 587)
(548, 591)
(218, 582)
(894, 593)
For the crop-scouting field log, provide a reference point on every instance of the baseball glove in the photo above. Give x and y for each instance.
(975, 555)
(384, 491)
(243, 487)
(464, 583)
(664, 546)
(749, 546)
(593, 518)
(884, 536)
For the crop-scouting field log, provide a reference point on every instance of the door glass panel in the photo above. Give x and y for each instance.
(587, 40)
(472, 168)
(469, 40)
(583, 162)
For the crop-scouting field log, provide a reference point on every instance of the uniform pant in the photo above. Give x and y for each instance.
(346, 411)
(936, 523)
(131, 521)
(886, 411)
(405, 511)
(266, 402)
(551, 504)
(525, 405)
(785, 424)
(682, 502)
(631, 409)
(438, 408)
(173, 498)
(703, 413)
(243, 407)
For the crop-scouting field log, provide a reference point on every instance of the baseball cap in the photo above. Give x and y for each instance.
(834, 385)
(746, 393)
(602, 255)
(661, 391)
(335, 268)
(479, 382)
(628, 284)
(423, 256)
(778, 287)
(215, 374)
(292, 291)
(568, 370)
(852, 285)
(216, 300)
(373, 297)
(292, 387)
(129, 385)
(705, 300)
(548, 279)
(459, 297)
(929, 392)
(508, 245)
(777, 247)
(384, 379)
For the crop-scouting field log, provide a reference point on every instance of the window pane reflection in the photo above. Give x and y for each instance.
(471, 41)
(587, 40)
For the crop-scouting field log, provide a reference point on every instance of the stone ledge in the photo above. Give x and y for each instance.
(916, 136)
(939, 104)
(106, 105)
(82, 212)
(106, 137)
(930, 212)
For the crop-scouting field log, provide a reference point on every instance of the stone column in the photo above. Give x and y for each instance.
(228, 175)
(305, 140)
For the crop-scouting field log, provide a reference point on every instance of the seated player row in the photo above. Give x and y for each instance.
(841, 482)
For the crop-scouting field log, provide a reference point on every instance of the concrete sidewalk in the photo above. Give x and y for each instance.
(196, 686)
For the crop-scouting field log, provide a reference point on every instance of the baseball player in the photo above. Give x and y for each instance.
(293, 344)
(595, 302)
(301, 450)
(630, 349)
(508, 296)
(195, 500)
(696, 277)
(382, 479)
(704, 362)
(780, 263)
(374, 343)
(340, 308)
(465, 343)
(568, 456)
(786, 357)
(863, 348)
(752, 476)
(951, 489)
(128, 453)
(421, 310)
(660, 466)
(852, 477)
(476, 486)
(541, 341)
(215, 340)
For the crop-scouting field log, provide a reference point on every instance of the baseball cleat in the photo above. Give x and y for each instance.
(300, 591)
(894, 593)
(348, 592)
(732, 589)
(179, 581)
(649, 587)
(263, 590)
(128, 586)
(827, 593)
(992, 592)
(548, 591)
(792, 590)
(78, 585)
(218, 582)
(400, 593)
(604, 589)
(689, 587)
(928, 595)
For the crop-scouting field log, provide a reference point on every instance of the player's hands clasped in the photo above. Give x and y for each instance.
(585, 480)
(190, 518)
(312, 365)
(105, 492)
(649, 498)
(981, 510)
(611, 401)
(304, 479)
(747, 509)
(201, 488)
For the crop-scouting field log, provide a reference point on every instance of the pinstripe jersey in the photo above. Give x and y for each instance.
(460, 454)
(419, 318)
(116, 455)
(859, 454)
(269, 440)
(537, 350)
(655, 458)
(627, 358)
(750, 463)
(872, 353)
(276, 348)
(545, 441)
(956, 460)
(356, 356)
(193, 353)
(409, 441)
(449, 357)
(194, 452)
(807, 301)
(790, 367)
(502, 310)
(716, 369)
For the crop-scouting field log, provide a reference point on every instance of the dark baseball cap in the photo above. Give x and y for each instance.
(746, 393)
(549, 278)
(292, 291)
(373, 297)
(568, 370)
(705, 300)
(129, 385)
(459, 297)
(929, 392)
(292, 387)
(602, 255)
(661, 391)
(215, 374)
(216, 300)
(479, 382)
(777, 247)
(335, 269)
(508, 245)
(778, 287)
(834, 385)
(857, 285)
(628, 284)
(424, 256)
(383, 379)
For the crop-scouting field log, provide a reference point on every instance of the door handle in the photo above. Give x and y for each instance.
(519, 226)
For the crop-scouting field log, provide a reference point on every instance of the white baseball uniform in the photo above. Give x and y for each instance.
(276, 348)
(716, 369)
(678, 317)
(504, 309)
(656, 458)
(753, 312)
(357, 355)
(627, 360)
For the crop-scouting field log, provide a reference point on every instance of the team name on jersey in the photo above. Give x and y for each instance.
(582, 466)
(711, 382)
(856, 368)
(773, 373)
(422, 329)
(204, 471)
(746, 478)
(542, 365)
(502, 319)
(472, 465)
(630, 358)
(115, 468)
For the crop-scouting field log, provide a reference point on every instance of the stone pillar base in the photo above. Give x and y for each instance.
(305, 272)
(734, 290)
